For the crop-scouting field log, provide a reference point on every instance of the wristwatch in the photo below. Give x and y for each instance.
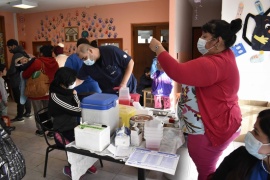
(156, 47)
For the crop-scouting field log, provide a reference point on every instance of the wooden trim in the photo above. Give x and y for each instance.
(3, 30)
(111, 40)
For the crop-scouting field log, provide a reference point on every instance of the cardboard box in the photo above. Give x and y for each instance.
(92, 137)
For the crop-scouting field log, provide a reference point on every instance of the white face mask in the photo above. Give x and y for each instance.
(89, 61)
(253, 146)
(72, 86)
(201, 46)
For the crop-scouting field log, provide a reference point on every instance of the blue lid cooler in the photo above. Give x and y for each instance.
(101, 108)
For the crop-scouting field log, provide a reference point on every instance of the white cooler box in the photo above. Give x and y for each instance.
(92, 137)
(101, 109)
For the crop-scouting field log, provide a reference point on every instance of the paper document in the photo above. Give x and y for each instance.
(153, 160)
(120, 151)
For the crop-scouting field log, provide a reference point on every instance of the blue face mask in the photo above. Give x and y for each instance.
(89, 62)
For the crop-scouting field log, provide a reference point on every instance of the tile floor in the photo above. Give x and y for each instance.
(33, 149)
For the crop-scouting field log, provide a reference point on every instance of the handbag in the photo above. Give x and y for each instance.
(260, 36)
(38, 84)
(12, 162)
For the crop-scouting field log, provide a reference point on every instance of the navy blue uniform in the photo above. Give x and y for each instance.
(109, 69)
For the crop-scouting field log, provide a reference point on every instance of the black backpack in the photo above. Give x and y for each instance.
(12, 162)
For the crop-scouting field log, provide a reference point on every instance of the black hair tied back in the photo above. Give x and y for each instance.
(236, 25)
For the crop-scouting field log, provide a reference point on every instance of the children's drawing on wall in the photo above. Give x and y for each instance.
(2, 51)
(257, 58)
(22, 22)
(261, 32)
(53, 28)
(239, 10)
(238, 49)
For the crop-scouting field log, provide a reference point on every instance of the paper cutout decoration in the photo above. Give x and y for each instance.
(257, 58)
(239, 10)
(238, 49)
(259, 7)
(261, 33)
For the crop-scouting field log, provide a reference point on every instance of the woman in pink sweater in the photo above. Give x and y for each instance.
(208, 108)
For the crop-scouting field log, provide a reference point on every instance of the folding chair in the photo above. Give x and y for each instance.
(46, 122)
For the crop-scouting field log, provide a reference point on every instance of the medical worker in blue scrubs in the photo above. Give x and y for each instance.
(108, 65)
(75, 63)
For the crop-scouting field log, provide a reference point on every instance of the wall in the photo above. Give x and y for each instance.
(205, 13)
(254, 77)
(9, 29)
(50, 25)
(180, 34)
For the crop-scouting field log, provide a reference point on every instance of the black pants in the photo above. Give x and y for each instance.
(20, 107)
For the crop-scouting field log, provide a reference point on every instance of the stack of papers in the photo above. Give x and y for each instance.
(153, 160)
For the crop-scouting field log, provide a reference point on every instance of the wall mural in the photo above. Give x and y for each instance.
(52, 28)
(2, 52)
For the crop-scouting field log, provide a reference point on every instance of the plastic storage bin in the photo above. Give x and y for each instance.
(134, 98)
(125, 113)
(102, 109)
(153, 134)
(124, 96)
(153, 143)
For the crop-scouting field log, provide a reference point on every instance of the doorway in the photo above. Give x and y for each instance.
(37, 45)
(3, 51)
(196, 34)
(141, 37)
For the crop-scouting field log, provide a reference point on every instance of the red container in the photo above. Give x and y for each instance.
(134, 98)
(124, 101)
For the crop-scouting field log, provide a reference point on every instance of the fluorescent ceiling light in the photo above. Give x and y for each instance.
(24, 4)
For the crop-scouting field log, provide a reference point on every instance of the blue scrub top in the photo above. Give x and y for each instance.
(109, 69)
(89, 84)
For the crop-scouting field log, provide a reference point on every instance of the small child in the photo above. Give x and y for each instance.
(4, 95)
(145, 82)
(161, 88)
(4, 99)
(22, 63)
(64, 107)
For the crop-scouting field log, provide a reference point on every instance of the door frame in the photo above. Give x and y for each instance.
(3, 30)
(133, 26)
(156, 33)
(35, 44)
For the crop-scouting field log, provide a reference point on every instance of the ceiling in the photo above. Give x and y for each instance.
(50, 5)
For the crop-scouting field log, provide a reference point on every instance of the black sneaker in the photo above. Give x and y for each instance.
(39, 133)
(50, 135)
(17, 119)
(27, 115)
(11, 128)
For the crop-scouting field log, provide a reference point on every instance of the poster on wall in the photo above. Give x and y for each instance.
(2, 54)
(71, 34)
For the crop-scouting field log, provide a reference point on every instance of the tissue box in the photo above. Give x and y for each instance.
(136, 138)
(92, 137)
(122, 140)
